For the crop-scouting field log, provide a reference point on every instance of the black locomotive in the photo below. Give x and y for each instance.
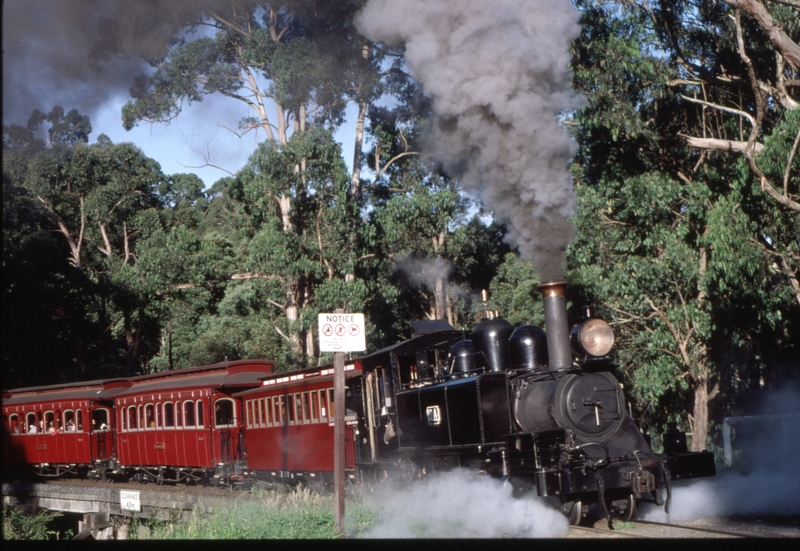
(543, 411)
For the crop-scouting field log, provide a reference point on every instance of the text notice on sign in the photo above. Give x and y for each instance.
(341, 333)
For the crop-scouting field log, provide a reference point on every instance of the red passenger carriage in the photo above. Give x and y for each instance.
(289, 421)
(184, 424)
(59, 429)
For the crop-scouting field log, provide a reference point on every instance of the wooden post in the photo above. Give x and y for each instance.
(338, 437)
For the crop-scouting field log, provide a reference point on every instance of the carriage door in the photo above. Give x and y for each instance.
(227, 441)
(101, 434)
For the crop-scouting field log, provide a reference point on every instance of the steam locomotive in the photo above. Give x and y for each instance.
(541, 411)
(517, 404)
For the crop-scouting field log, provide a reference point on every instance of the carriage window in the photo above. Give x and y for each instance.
(323, 405)
(99, 419)
(288, 411)
(199, 413)
(249, 409)
(274, 411)
(178, 415)
(282, 417)
(132, 424)
(224, 413)
(50, 421)
(331, 406)
(69, 420)
(149, 416)
(298, 407)
(297, 402)
(79, 420)
(188, 413)
(169, 416)
(306, 417)
(313, 405)
(13, 424)
(142, 420)
(32, 427)
(262, 405)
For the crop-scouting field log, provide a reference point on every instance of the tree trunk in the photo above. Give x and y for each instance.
(440, 298)
(700, 429)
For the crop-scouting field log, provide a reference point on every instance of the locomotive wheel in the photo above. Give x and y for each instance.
(624, 509)
(573, 510)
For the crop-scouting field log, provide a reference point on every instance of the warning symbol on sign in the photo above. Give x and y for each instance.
(341, 333)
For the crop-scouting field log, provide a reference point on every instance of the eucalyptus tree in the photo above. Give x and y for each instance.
(419, 235)
(296, 64)
(100, 201)
(685, 235)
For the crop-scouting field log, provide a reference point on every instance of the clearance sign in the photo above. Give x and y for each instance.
(341, 333)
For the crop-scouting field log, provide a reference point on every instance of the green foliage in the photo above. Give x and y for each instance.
(681, 249)
(20, 526)
(295, 514)
(513, 292)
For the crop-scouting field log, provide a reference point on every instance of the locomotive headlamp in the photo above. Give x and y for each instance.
(593, 338)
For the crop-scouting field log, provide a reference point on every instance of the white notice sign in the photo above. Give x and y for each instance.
(129, 501)
(341, 333)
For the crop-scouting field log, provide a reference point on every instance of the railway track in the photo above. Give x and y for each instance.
(658, 530)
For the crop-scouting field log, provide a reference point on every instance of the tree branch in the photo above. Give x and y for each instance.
(748, 116)
(719, 145)
(782, 42)
(764, 182)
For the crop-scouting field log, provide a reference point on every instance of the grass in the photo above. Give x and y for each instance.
(266, 514)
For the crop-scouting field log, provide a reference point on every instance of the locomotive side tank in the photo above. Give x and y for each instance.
(541, 410)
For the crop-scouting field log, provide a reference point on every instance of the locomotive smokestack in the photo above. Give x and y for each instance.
(556, 324)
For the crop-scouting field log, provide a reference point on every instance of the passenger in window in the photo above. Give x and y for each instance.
(70, 426)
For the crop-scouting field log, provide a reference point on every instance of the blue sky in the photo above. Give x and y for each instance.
(45, 51)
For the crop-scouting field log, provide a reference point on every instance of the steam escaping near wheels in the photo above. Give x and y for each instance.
(446, 505)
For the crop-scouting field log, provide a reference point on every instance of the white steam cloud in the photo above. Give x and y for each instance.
(458, 504)
(497, 73)
(764, 477)
(427, 272)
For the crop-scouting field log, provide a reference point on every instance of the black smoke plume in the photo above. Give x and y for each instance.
(497, 73)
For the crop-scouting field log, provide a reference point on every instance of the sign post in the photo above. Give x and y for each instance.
(340, 333)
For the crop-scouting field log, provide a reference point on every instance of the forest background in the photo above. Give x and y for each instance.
(687, 175)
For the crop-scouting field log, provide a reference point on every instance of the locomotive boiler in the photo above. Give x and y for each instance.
(540, 410)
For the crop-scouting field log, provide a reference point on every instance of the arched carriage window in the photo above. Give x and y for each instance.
(149, 417)
(13, 424)
(50, 421)
(224, 413)
(69, 420)
(169, 416)
(100, 417)
(132, 424)
(31, 426)
(200, 414)
(188, 413)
